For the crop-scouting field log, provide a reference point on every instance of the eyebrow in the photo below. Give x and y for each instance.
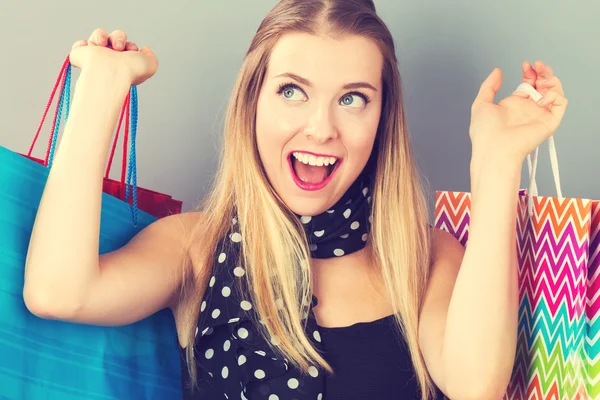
(306, 82)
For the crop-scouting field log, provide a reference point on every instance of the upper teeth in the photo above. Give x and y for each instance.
(313, 160)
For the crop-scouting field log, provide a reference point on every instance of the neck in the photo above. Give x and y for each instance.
(344, 228)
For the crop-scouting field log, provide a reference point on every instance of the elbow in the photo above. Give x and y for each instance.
(480, 383)
(472, 375)
(50, 305)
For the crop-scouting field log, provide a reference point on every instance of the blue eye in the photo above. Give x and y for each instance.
(354, 100)
(291, 92)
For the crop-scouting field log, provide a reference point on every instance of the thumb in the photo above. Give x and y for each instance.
(147, 51)
(489, 87)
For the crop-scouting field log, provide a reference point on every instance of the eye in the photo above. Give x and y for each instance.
(356, 100)
(291, 92)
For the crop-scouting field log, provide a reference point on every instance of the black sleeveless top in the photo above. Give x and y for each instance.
(233, 359)
(370, 361)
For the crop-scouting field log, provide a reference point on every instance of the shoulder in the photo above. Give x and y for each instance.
(168, 239)
(179, 236)
(446, 258)
(177, 226)
(184, 222)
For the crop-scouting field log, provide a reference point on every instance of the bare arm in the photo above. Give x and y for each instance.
(65, 278)
(469, 320)
(468, 327)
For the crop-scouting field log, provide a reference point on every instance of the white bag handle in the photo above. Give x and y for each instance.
(532, 165)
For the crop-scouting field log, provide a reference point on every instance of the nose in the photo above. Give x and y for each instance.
(321, 126)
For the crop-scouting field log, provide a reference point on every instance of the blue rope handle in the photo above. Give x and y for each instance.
(65, 103)
(132, 167)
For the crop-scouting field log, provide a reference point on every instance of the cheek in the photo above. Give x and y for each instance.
(359, 132)
(275, 127)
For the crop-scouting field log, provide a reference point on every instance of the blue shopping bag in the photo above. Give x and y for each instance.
(53, 360)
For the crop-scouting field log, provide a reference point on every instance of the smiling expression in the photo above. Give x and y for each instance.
(317, 117)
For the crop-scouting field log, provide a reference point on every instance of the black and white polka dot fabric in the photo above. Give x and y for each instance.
(234, 361)
(344, 228)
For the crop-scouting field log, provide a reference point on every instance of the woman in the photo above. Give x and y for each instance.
(310, 272)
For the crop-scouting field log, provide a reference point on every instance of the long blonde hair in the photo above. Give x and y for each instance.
(274, 247)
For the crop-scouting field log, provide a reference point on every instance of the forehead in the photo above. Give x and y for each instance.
(323, 59)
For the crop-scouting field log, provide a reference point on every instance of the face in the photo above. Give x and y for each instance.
(317, 117)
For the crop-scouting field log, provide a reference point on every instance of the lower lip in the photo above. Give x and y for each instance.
(312, 186)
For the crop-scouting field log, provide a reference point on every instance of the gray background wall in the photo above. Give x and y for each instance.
(445, 48)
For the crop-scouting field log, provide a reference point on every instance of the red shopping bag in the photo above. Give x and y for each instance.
(154, 203)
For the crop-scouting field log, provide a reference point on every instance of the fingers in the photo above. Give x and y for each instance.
(98, 38)
(489, 88)
(530, 75)
(550, 84)
(79, 43)
(130, 46)
(521, 94)
(118, 40)
(547, 81)
(552, 98)
(556, 104)
(543, 70)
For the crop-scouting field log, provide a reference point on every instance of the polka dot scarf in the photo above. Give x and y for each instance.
(234, 360)
(344, 228)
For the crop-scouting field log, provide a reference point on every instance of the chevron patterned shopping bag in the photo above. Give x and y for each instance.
(553, 242)
(592, 347)
(53, 360)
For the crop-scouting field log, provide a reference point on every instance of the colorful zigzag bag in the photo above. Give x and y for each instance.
(592, 345)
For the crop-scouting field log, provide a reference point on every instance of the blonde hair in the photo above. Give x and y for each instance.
(274, 247)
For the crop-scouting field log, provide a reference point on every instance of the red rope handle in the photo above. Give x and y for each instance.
(61, 81)
(125, 141)
(114, 145)
(56, 116)
(61, 76)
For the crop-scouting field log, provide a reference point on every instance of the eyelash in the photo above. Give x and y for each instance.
(288, 85)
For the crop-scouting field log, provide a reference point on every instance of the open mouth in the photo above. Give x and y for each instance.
(312, 171)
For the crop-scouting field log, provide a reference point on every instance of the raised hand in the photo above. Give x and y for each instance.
(516, 125)
(137, 65)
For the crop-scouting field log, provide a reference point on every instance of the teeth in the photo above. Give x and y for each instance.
(313, 160)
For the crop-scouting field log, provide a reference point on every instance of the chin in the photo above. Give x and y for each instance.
(308, 207)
